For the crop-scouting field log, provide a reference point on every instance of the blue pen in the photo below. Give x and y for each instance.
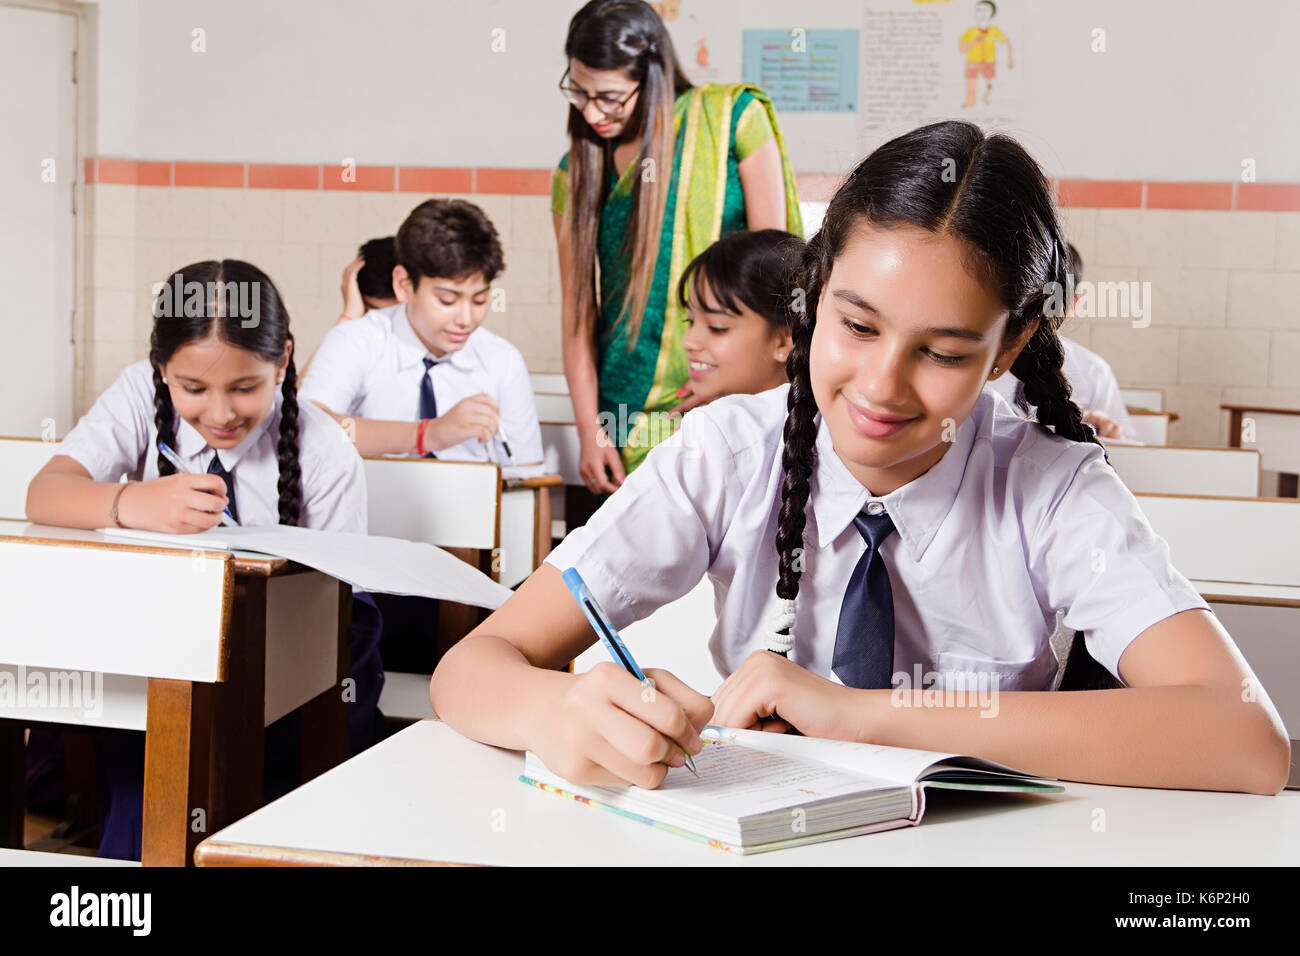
(227, 518)
(609, 636)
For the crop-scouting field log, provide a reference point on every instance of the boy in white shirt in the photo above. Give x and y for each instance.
(421, 377)
(1093, 386)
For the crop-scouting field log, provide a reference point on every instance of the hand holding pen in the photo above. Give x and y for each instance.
(623, 657)
(181, 468)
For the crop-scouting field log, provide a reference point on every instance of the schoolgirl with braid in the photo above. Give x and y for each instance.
(885, 527)
(220, 388)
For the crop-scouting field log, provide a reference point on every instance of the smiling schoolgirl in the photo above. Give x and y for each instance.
(882, 511)
(219, 387)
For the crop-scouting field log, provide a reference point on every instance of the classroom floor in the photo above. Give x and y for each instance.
(39, 834)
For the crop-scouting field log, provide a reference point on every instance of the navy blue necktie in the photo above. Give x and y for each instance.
(428, 404)
(864, 640)
(216, 469)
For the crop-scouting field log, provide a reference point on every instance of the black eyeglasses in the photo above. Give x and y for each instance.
(609, 106)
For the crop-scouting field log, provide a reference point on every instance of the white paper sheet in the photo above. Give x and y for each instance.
(367, 562)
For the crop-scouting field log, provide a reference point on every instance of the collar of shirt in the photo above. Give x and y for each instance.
(411, 351)
(918, 508)
(190, 444)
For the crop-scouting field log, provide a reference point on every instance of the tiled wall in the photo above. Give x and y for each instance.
(1223, 262)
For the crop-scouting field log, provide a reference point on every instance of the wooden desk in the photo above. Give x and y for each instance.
(282, 643)
(400, 802)
(1276, 433)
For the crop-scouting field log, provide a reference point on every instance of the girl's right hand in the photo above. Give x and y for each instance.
(177, 504)
(597, 454)
(608, 729)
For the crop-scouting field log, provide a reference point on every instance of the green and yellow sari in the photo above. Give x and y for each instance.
(717, 126)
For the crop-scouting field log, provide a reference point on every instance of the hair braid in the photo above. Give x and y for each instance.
(1038, 366)
(164, 419)
(798, 459)
(290, 484)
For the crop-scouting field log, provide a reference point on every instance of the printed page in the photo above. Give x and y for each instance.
(367, 562)
(735, 781)
(893, 765)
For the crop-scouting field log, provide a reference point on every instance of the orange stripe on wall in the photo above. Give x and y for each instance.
(275, 176)
(367, 178)
(1189, 195)
(515, 182)
(228, 175)
(813, 187)
(434, 179)
(1100, 193)
(1269, 197)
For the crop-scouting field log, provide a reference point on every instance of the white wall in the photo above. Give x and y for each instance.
(1187, 89)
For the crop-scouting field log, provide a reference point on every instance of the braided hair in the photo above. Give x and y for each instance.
(951, 180)
(177, 323)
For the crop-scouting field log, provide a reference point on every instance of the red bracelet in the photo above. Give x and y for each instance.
(419, 436)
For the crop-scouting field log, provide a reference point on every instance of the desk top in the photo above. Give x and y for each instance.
(429, 795)
(1234, 592)
(246, 562)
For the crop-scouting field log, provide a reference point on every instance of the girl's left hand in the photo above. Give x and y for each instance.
(769, 686)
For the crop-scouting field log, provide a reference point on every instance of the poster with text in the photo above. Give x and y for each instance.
(929, 60)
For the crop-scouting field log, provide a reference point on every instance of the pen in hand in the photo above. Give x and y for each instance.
(609, 637)
(226, 517)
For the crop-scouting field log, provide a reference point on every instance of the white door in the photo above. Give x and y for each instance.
(37, 255)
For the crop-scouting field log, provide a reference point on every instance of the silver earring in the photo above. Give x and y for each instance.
(164, 381)
(780, 356)
(996, 370)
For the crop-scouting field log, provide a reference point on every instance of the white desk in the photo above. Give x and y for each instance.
(429, 795)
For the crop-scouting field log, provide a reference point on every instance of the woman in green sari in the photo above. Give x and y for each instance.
(657, 170)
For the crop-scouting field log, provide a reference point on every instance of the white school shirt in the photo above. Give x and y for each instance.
(371, 367)
(1093, 386)
(117, 437)
(1009, 526)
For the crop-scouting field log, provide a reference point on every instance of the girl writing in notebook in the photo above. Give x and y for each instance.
(884, 525)
(220, 389)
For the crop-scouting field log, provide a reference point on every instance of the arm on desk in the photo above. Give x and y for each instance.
(473, 417)
(499, 685)
(1193, 717)
(64, 493)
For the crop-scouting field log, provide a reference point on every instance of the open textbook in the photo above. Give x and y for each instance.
(367, 562)
(762, 791)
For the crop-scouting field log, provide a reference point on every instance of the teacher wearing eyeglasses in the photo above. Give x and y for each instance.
(657, 170)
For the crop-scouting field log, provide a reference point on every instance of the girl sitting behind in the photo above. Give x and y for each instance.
(737, 294)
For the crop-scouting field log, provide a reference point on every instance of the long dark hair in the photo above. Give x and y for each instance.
(176, 323)
(951, 180)
(755, 269)
(621, 35)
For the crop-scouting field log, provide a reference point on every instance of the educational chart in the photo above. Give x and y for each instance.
(929, 60)
(804, 71)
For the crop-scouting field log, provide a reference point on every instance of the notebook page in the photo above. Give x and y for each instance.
(735, 781)
(893, 766)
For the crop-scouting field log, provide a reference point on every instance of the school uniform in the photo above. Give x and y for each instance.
(375, 367)
(118, 437)
(1009, 526)
(1093, 386)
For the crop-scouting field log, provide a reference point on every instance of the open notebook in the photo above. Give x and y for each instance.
(761, 791)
